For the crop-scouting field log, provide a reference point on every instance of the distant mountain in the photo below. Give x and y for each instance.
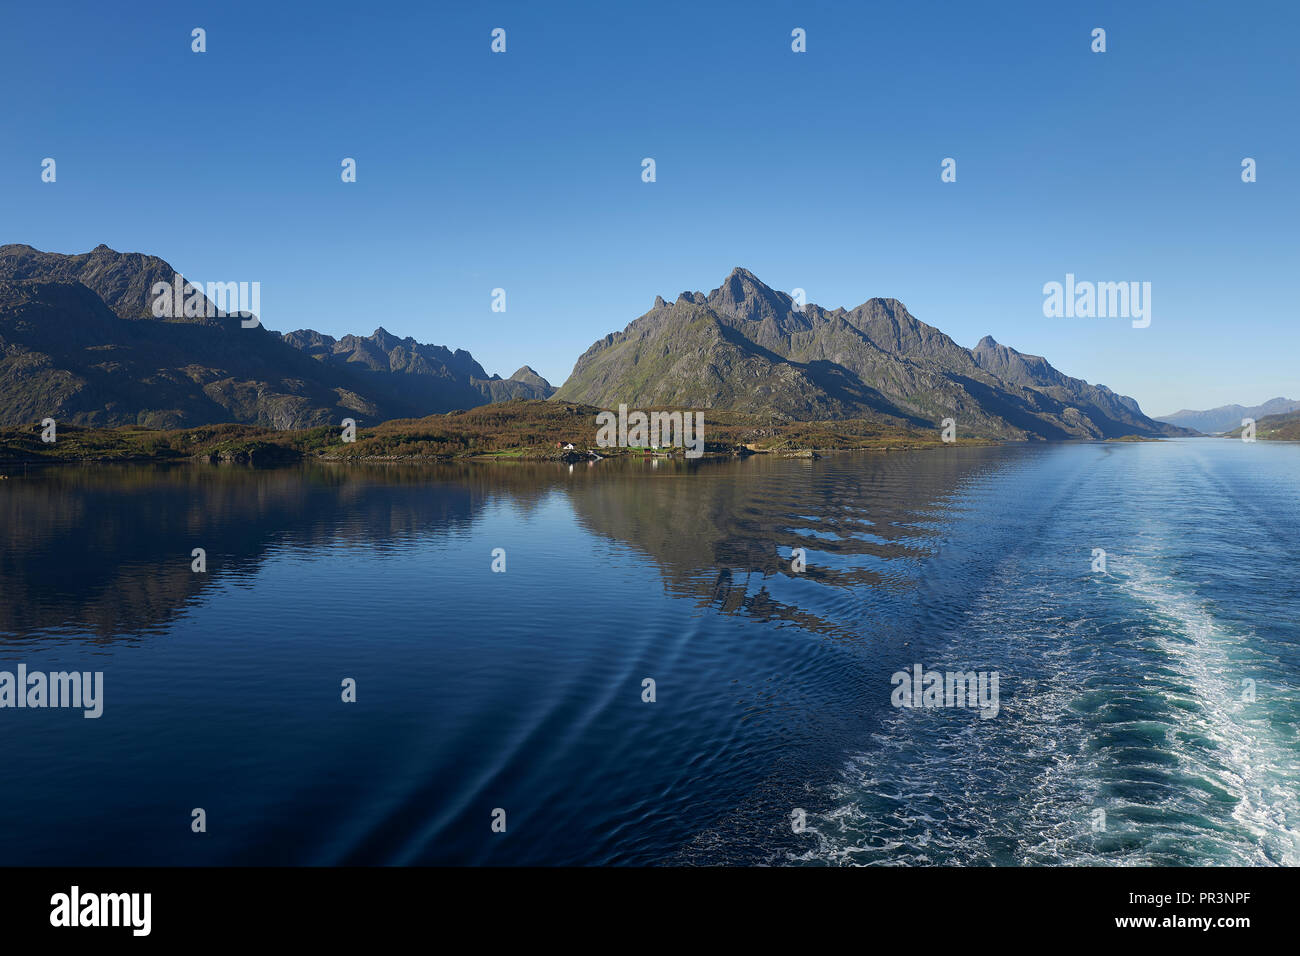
(414, 378)
(745, 346)
(1216, 421)
(79, 343)
(527, 375)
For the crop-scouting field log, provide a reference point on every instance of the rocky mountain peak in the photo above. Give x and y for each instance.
(528, 375)
(85, 323)
(758, 354)
(745, 296)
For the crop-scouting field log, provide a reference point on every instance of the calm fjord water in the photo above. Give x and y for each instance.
(1119, 691)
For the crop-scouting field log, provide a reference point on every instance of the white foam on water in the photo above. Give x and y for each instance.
(946, 787)
(1251, 764)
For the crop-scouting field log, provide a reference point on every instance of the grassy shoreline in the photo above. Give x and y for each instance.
(508, 431)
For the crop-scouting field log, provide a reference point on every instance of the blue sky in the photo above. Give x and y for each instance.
(817, 170)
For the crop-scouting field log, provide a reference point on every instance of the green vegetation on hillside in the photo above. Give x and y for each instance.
(528, 430)
(1274, 428)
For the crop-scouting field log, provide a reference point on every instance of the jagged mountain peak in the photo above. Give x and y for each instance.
(888, 307)
(746, 346)
(745, 296)
(741, 281)
(528, 375)
(740, 272)
(124, 280)
(81, 343)
(387, 340)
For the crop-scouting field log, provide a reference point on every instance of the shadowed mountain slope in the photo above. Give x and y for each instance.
(79, 343)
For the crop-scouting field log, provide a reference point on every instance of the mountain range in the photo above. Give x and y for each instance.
(1216, 421)
(79, 343)
(748, 347)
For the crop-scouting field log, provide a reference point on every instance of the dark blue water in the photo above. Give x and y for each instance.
(1120, 691)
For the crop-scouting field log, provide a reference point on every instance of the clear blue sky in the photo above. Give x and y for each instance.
(817, 170)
